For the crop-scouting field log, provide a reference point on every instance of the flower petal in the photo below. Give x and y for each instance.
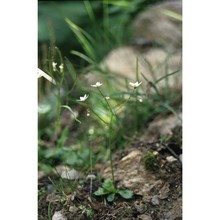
(98, 84)
(83, 98)
(136, 84)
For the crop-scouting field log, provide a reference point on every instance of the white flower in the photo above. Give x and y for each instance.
(107, 97)
(98, 84)
(54, 66)
(135, 85)
(61, 67)
(83, 98)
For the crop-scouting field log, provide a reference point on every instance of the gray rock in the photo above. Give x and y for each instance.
(140, 207)
(161, 23)
(58, 216)
(130, 173)
(164, 191)
(171, 159)
(155, 200)
(52, 197)
(162, 126)
(73, 196)
(144, 217)
(73, 209)
(70, 174)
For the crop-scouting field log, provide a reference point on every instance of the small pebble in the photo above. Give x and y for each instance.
(50, 187)
(155, 153)
(144, 217)
(155, 200)
(73, 196)
(73, 209)
(70, 174)
(58, 216)
(171, 159)
(52, 197)
(140, 207)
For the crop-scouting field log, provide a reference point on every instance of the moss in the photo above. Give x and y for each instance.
(150, 161)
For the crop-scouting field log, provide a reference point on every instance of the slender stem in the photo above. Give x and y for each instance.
(110, 108)
(90, 167)
(136, 115)
(67, 107)
(112, 167)
(110, 147)
(172, 110)
(49, 211)
(87, 106)
(110, 138)
(58, 121)
(125, 102)
(96, 115)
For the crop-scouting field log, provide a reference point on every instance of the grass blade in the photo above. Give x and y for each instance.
(167, 75)
(67, 107)
(83, 56)
(84, 38)
(172, 14)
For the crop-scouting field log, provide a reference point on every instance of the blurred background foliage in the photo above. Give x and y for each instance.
(109, 23)
(112, 16)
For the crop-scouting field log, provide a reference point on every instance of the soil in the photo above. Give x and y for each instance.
(156, 183)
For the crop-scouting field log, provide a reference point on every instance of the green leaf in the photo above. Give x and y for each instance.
(61, 141)
(83, 56)
(109, 186)
(167, 75)
(120, 3)
(101, 191)
(111, 197)
(126, 194)
(84, 39)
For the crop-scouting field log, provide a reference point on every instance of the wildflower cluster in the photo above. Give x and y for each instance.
(98, 84)
(61, 67)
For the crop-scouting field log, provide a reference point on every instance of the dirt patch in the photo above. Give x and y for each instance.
(160, 186)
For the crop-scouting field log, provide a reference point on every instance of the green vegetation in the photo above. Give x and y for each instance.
(107, 22)
(81, 125)
(108, 189)
(88, 212)
(150, 161)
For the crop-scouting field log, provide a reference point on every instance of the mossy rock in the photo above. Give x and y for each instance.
(150, 161)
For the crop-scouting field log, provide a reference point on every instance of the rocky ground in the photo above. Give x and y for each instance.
(150, 167)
